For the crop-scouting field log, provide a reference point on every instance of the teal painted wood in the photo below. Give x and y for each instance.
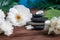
(29, 3)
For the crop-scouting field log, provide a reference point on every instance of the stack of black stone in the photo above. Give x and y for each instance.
(37, 21)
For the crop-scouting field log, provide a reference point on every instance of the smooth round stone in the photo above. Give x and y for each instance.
(39, 20)
(32, 23)
(38, 27)
(37, 15)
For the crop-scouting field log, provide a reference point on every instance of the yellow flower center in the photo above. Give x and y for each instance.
(18, 17)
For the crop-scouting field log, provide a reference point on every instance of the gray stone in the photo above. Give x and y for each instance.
(32, 23)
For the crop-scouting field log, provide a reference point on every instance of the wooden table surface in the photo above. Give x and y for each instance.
(20, 33)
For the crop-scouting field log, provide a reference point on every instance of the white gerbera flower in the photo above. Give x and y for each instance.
(19, 15)
(53, 25)
(6, 27)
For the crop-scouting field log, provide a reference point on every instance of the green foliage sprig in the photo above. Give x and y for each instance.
(52, 13)
(5, 5)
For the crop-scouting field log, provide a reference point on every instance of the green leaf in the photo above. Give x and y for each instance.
(52, 13)
(5, 5)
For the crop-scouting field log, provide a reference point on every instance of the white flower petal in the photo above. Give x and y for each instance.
(19, 15)
(29, 27)
(2, 15)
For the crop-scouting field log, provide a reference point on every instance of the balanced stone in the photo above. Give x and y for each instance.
(34, 24)
(38, 27)
(39, 20)
(37, 15)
